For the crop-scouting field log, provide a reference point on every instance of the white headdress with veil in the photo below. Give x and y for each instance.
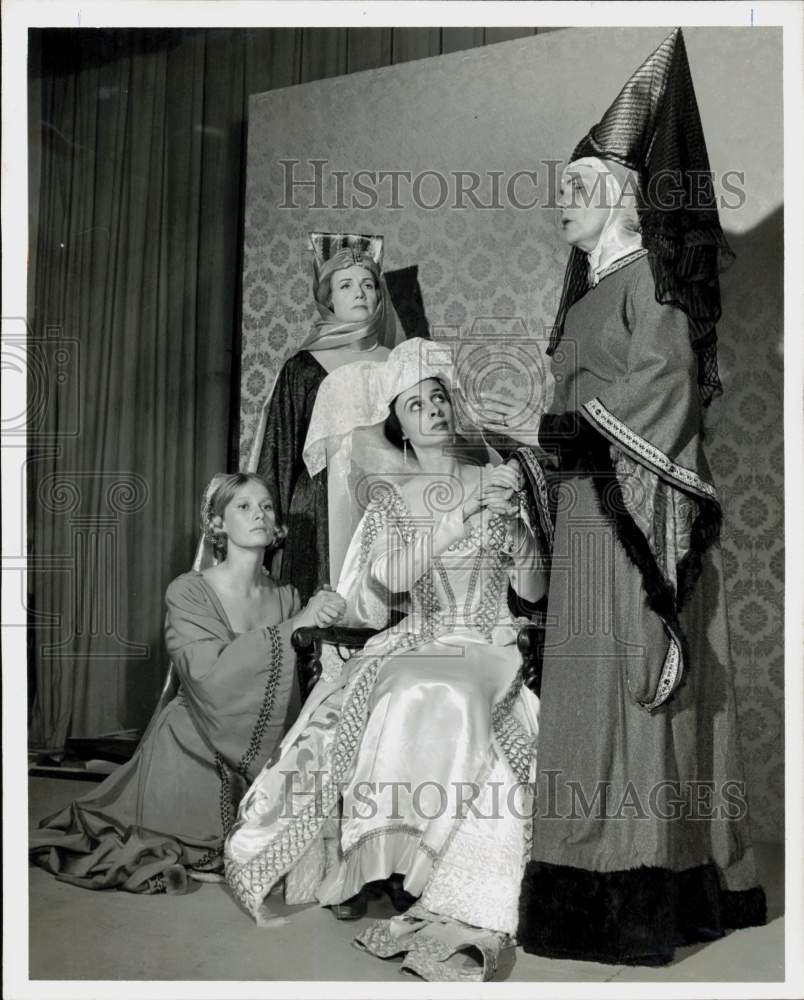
(346, 434)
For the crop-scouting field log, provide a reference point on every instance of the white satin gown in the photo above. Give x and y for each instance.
(415, 756)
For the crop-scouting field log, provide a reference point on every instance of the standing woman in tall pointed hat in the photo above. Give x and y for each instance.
(641, 842)
(353, 323)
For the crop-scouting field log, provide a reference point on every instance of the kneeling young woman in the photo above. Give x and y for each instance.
(164, 814)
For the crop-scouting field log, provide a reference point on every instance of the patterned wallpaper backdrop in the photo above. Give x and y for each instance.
(518, 106)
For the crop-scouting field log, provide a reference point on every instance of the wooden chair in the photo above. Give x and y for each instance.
(309, 642)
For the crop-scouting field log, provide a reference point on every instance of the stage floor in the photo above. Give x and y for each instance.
(77, 934)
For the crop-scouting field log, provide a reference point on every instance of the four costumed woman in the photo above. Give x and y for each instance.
(417, 759)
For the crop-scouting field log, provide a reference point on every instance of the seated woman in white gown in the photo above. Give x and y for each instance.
(414, 757)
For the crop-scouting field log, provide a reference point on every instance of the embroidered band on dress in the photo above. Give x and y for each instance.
(644, 450)
(671, 675)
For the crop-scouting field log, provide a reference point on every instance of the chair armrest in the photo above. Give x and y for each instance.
(338, 635)
(308, 642)
(530, 643)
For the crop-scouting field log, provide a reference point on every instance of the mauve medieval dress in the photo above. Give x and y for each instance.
(173, 802)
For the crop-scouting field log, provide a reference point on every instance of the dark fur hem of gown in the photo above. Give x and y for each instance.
(634, 917)
(629, 384)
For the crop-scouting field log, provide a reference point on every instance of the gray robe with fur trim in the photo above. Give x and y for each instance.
(640, 784)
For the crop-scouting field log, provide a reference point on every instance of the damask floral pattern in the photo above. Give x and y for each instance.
(508, 263)
(747, 455)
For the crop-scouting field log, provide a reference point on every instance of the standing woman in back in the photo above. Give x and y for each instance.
(352, 311)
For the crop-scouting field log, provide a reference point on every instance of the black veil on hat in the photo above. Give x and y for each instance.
(654, 128)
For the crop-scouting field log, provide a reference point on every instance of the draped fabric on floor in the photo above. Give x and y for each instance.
(136, 165)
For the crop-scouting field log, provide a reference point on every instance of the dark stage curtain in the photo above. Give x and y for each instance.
(137, 158)
(140, 159)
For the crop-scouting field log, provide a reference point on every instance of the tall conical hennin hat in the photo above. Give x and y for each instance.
(654, 128)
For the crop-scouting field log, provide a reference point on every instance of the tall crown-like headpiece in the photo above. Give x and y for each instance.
(328, 245)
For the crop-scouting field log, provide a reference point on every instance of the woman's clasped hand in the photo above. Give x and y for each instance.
(496, 491)
(326, 607)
